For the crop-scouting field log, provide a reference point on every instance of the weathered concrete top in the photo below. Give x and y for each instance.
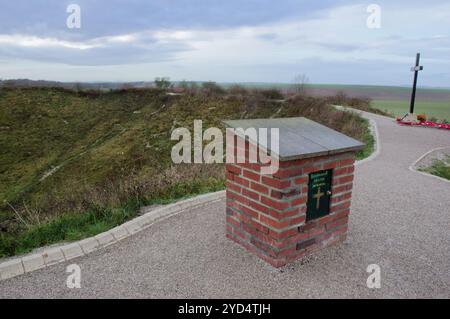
(300, 137)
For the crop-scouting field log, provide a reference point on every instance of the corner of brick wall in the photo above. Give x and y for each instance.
(267, 213)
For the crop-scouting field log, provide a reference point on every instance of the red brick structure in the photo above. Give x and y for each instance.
(278, 217)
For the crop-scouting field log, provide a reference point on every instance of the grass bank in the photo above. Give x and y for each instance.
(439, 168)
(76, 226)
(76, 163)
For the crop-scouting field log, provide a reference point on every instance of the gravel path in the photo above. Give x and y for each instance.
(400, 220)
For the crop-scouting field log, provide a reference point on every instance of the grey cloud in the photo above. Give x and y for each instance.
(337, 46)
(146, 50)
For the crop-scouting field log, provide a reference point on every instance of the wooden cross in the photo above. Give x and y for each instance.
(317, 196)
(416, 70)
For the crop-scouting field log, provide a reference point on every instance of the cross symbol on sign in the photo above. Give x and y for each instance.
(317, 196)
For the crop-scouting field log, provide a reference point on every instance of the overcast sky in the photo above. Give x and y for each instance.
(226, 41)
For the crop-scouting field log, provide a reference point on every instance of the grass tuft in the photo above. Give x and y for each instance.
(440, 168)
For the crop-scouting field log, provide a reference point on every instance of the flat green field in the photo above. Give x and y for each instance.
(437, 109)
(435, 102)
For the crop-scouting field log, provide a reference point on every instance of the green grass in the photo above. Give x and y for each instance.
(76, 226)
(369, 139)
(438, 109)
(440, 168)
(68, 227)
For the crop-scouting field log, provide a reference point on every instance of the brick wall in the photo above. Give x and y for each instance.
(267, 213)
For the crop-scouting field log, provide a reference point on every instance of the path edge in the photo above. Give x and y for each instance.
(55, 255)
(373, 129)
(377, 145)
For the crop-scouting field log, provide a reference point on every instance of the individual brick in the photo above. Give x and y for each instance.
(259, 188)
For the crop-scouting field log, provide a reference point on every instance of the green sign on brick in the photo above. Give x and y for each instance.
(319, 194)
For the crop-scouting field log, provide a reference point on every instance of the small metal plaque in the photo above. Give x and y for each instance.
(319, 194)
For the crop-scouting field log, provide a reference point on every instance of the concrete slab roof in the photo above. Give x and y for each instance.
(300, 137)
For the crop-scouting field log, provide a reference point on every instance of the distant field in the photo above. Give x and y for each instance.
(375, 92)
(383, 92)
(435, 102)
(437, 109)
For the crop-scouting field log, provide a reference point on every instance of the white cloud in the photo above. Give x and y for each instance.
(49, 43)
(45, 43)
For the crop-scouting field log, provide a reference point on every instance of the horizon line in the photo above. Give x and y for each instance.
(235, 83)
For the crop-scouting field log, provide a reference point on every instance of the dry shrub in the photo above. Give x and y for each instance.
(237, 90)
(318, 109)
(361, 103)
(142, 186)
(269, 94)
(212, 89)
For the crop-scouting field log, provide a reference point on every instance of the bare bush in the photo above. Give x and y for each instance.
(237, 89)
(270, 94)
(300, 84)
(163, 83)
(212, 88)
